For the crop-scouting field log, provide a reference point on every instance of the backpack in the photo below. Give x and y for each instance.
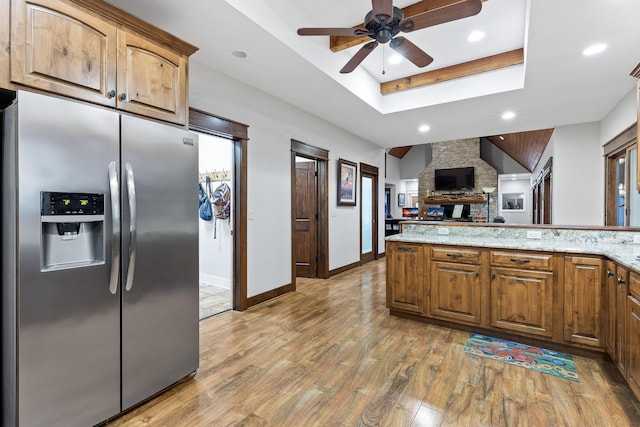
(221, 202)
(204, 209)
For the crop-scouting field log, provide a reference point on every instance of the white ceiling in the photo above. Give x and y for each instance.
(556, 86)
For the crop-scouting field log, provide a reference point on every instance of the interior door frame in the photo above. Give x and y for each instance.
(372, 172)
(237, 133)
(321, 156)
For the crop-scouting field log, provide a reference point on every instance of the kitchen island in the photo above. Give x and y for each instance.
(568, 287)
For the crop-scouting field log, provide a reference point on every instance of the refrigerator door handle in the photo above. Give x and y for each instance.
(131, 191)
(115, 228)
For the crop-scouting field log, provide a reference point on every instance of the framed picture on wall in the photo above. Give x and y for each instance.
(513, 202)
(347, 178)
(401, 200)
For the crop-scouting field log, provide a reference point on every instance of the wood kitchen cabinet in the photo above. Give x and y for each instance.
(584, 320)
(633, 334)
(405, 277)
(621, 292)
(522, 292)
(455, 286)
(85, 50)
(611, 313)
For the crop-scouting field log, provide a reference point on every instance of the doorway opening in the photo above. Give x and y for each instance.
(309, 215)
(215, 170)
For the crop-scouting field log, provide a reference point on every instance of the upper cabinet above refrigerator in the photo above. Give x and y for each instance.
(102, 55)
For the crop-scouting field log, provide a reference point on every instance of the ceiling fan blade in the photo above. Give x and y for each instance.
(458, 10)
(359, 57)
(410, 51)
(382, 7)
(332, 32)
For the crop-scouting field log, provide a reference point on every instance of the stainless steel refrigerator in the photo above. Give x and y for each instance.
(99, 260)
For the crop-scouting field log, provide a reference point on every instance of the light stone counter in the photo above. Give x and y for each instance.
(616, 245)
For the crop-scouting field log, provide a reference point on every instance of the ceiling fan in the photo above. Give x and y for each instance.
(385, 21)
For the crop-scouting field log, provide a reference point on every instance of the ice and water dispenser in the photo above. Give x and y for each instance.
(72, 230)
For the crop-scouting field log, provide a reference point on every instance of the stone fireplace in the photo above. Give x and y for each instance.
(457, 154)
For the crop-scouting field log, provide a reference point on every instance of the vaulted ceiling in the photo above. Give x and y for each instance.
(555, 86)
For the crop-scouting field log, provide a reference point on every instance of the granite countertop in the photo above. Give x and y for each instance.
(624, 254)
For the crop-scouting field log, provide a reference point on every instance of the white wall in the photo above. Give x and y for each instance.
(215, 154)
(272, 125)
(578, 176)
(623, 115)
(520, 183)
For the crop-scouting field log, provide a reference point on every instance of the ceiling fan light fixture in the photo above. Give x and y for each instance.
(475, 36)
(594, 49)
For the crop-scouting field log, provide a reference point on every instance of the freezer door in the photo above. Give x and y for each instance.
(159, 257)
(67, 325)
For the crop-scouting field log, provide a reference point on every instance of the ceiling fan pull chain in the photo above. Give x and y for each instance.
(383, 51)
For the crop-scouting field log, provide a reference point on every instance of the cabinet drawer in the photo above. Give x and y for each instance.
(467, 256)
(522, 260)
(634, 285)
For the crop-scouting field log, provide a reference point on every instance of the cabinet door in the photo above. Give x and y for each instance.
(610, 312)
(583, 300)
(455, 292)
(62, 49)
(522, 301)
(152, 80)
(405, 277)
(622, 288)
(633, 344)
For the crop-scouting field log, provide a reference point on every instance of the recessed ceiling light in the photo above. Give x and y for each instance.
(594, 49)
(501, 138)
(395, 59)
(240, 54)
(424, 128)
(476, 36)
(508, 115)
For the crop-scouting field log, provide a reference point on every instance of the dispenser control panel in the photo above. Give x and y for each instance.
(55, 203)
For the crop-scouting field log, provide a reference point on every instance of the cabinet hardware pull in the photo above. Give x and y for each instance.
(405, 248)
(123, 96)
(111, 94)
(620, 281)
(609, 273)
(477, 274)
(493, 276)
(455, 255)
(520, 261)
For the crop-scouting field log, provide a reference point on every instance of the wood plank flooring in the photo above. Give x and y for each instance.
(331, 355)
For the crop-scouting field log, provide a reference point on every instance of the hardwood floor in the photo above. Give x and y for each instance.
(331, 355)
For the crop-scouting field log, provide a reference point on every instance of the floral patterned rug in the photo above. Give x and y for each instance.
(538, 359)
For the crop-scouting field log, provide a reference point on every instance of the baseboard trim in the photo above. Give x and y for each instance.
(344, 268)
(266, 296)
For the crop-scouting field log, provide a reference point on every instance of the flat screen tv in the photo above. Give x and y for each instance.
(455, 179)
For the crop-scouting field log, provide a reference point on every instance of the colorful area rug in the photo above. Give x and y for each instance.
(541, 360)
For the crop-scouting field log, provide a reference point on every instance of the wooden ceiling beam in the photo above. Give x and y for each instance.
(477, 66)
(338, 43)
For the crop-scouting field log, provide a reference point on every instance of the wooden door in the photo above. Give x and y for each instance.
(368, 213)
(583, 300)
(610, 312)
(522, 300)
(405, 277)
(306, 217)
(455, 292)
